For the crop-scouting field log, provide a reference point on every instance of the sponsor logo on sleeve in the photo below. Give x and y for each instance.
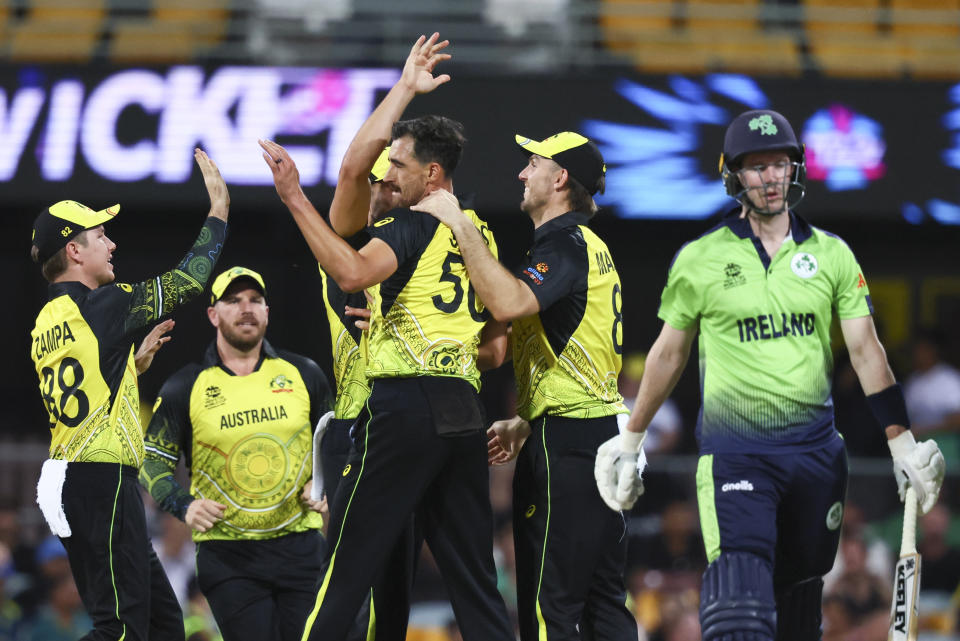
(534, 275)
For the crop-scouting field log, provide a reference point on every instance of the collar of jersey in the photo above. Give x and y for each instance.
(569, 219)
(799, 228)
(68, 287)
(211, 358)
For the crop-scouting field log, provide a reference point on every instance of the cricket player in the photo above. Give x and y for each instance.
(243, 419)
(761, 289)
(83, 352)
(565, 303)
(420, 445)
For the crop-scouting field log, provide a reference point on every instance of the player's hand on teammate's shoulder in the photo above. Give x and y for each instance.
(505, 438)
(203, 514)
(918, 465)
(151, 344)
(424, 56)
(216, 187)
(286, 177)
(442, 205)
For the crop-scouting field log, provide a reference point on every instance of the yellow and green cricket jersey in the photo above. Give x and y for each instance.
(765, 359)
(83, 352)
(567, 357)
(348, 346)
(247, 441)
(426, 318)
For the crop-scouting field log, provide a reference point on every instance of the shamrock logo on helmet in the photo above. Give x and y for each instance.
(765, 124)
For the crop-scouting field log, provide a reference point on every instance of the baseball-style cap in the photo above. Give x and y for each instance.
(380, 168)
(59, 223)
(575, 153)
(223, 281)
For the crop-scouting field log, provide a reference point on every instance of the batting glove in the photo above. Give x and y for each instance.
(917, 465)
(618, 470)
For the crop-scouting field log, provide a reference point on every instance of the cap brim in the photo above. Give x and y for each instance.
(530, 146)
(82, 215)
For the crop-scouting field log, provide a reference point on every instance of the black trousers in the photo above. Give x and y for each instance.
(570, 547)
(261, 590)
(402, 462)
(390, 594)
(117, 573)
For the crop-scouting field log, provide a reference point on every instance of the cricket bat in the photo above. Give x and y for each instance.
(906, 577)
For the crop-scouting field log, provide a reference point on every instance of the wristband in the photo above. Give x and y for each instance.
(889, 407)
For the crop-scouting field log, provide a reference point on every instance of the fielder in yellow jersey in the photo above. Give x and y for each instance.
(243, 418)
(83, 351)
(420, 442)
(565, 302)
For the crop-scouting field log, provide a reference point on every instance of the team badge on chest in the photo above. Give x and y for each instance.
(804, 265)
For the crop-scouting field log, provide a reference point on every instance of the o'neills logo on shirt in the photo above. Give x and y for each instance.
(252, 416)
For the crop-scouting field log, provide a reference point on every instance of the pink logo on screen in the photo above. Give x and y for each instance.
(313, 105)
(844, 149)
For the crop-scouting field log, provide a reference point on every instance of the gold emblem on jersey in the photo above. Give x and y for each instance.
(543, 268)
(257, 464)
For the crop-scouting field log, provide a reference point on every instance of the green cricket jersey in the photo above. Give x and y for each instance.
(247, 441)
(566, 357)
(765, 359)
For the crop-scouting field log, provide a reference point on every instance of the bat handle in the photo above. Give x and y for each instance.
(908, 543)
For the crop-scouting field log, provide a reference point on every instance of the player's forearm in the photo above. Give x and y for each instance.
(665, 362)
(157, 476)
(338, 259)
(499, 290)
(159, 296)
(869, 361)
(349, 217)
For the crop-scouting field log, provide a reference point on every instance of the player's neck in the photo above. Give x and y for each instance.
(771, 230)
(75, 274)
(552, 209)
(236, 360)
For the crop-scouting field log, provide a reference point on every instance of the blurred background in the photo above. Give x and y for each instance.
(103, 101)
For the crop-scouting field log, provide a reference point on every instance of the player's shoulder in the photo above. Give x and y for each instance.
(829, 241)
(308, 368)
(182, 381)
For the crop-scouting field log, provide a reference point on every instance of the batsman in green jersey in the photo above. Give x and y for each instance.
(761, 288)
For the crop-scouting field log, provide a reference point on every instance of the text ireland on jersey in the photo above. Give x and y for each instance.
(769, 326)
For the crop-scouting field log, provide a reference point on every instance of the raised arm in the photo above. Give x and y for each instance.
(351, 201)
(503, 294)
(151, 299)
(351, 269)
